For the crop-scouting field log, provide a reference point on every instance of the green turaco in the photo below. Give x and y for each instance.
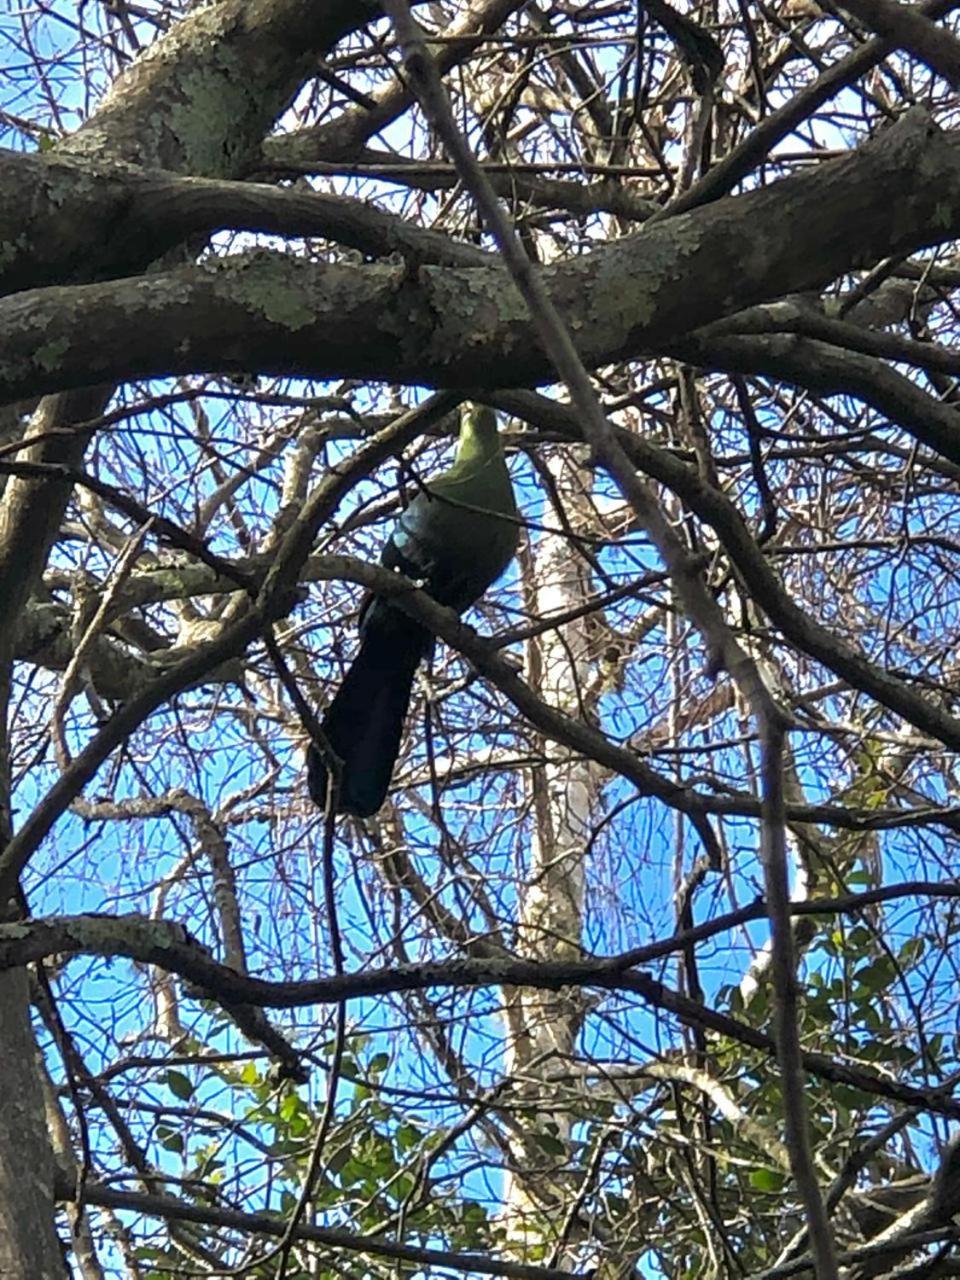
(455, 538)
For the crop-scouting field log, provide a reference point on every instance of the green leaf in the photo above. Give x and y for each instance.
(876, 976)
(290, 1107)
(407, 1136)
(337, 1159)
(170, 1139)
(549, 1144)
(912, 950)
(767, 1180)
(180, 1085)
(402, 1186)
(857, 878)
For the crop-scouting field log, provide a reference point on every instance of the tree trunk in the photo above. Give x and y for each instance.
(29, 1248)
(543, 1025)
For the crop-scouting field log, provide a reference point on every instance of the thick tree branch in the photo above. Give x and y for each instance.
(53, 210)
(448, 325)
(910, 29)
(350, 129)
(829, 369)
(248, 59)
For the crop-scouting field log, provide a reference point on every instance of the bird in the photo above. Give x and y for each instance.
(455, 539)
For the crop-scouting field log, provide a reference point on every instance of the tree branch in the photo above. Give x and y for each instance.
(467, 326)
(170, 947)
(268, 1224)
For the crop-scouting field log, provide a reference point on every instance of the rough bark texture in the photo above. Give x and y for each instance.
(274, 314)
(29, 1248)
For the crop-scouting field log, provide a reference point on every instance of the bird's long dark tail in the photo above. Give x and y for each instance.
(364, 722)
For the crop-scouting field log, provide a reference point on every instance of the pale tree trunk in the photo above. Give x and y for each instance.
(542, 1025)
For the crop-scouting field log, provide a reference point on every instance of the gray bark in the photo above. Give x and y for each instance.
(29, 1248)
(468, 326)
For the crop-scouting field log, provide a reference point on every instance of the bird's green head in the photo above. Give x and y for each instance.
(478, 419)
(478, 430)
